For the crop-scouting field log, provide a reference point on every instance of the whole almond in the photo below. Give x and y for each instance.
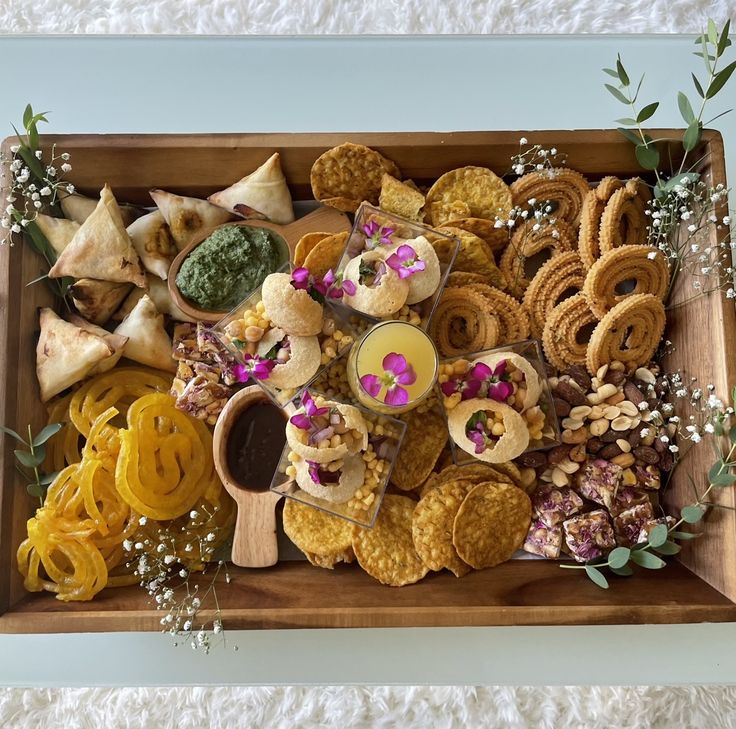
(633, 393)
(562, 407)
(609, 452)
(558, 453)
(647, 454)
(614, 377)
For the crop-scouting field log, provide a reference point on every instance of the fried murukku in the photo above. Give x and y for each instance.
(432, 525)
(484, 193)
(590, 218)
(386, 552)
(629, 333)
(491, 524)
(559, 188)
(473, 255)
(561, 277)
(624, 222)
(644, 268)
(464, 322)
(463, 278)
(564, 339)
(497, 238)
(526, 243)
(344, 176)
(512, 317)
(425, 437)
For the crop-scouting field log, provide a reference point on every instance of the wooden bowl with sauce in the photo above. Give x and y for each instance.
(324, 219)
(248, 441)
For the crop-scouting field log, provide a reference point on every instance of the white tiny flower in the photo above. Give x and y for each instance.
(139, 545)
(727, 220)
(652, 255)
(519, 169)
(14, 148)
(5, 222)
(200, 637)
(39, 154)
(643, 405)
(498, 224)
(540, 167)
(35, 196)
(523, 140)
(674, 448)
(196, 602)
(182, 574)
(708, 428)
(510, 223)
(211, 537)
(536, 227)
(217, 627)
(66, 167)
(70, 189)
(556, 234)
(46, 191)
(525, 214)
(692, 228)
(51, 171)
(127, 545)
(532, 200)
(553, 151)
(187, 625)
(15, 228)
(169, 558)
(143, 521)
(193, 514)
(161, 548)
(696, 438)
(731, 294)
(694, 247)
(65, 156)
(644, 432)
(188, 548)
(664, 438)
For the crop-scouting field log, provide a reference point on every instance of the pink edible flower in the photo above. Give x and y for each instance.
(376, 236)
(255, 367)
(405, 262)
(396, 372)
(308, 410)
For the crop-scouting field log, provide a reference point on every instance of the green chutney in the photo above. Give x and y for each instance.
(222, 270)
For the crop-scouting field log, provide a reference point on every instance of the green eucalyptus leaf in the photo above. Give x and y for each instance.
(712, 32)
(628, 121)
(723, 480)
(647, 112)
(648, 157)
(705, 55)
(679, 179)
(50, 430)
(658, 535)
(619, 557)
(638, 88)
(610, 72)
(716, 469)
(691, 514)
(624, 571)
(686, 110)
(29, 460)
(698, 87)
(683, 536)
(647, 560)
(13, 434)
(623, 76)
(692, 136)
(732, 434)
(596, 576)
(719, 80)
(617, 94)
(632, 136)
(35, 490)
(48, 478)
(668, 548)
(723, 41)
(660, 191)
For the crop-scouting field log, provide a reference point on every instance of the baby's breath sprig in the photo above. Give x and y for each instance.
(33, 186)
(535, 158)
(174, 562)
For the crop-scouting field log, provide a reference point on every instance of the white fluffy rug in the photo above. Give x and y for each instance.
(360, 16)
(428, 707)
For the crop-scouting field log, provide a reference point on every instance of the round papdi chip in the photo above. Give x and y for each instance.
(350, 173)
(483, 191)
(497, 238)
(425, 437)
(386, 552)
(326, 254)
(305, 356)
(432, 525)
(290, 309)
(324, 539)
(491, 524)
(473, 472)
(305, 244)
(509, 445)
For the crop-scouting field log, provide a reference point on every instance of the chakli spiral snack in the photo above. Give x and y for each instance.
(624, 221)
(562, 188)
(590, 218)
(512, 318)
(563, 338)
(560, 276)
(464, 322)
(645, 266)
(484, 193)
(629, 333)
(526, 242)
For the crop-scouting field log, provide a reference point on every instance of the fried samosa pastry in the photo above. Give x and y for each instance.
(187, 217)
(78, 208)
(148, 342)
(116, 342)
(153, 243)
(97, 300)
(57, 231)
(264, 190)
(158, 291)
(101, 248)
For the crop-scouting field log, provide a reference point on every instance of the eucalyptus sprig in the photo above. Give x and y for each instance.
(31, 458)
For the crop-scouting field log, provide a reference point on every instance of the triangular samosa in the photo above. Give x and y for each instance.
(97, 300)
(148, 342)
(158, 291)
(116, 342)
(78, 208)
(57, 231)
(153, 243)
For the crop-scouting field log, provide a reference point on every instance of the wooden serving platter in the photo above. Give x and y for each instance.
(699, 587)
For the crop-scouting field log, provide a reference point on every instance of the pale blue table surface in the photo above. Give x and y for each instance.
(165, 84)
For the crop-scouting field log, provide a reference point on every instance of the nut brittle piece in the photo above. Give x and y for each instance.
(543, 540)
(203, 399)
(185, 343)
(629, 524)
(589, 535)
(553, 505)
(648, 477)
(599, 481)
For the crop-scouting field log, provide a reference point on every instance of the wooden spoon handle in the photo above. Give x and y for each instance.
(255, 543)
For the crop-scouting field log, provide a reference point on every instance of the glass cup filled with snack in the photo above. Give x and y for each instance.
(498, 403)
(338, 457)
(393, 367)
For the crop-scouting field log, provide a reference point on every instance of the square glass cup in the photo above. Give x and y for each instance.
(232, 331)
(531, 351)
(402, 230)
(385, 437)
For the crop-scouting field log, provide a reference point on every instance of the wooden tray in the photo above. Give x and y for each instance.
(701, 587)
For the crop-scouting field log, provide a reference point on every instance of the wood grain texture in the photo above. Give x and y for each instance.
(296, 594)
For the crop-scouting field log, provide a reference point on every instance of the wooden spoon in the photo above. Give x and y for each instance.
(324, 219)
(254, 540)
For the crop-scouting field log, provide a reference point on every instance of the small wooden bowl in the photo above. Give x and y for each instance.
(254, 541)
(324, 219)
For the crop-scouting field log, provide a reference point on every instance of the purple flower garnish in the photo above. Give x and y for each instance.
(300, 278)
(405, 262)
(314, 471)
(396, 372)
(476, 431)
(334, 286)
(308, 411)
(376, 236)
(330, 285)
(255, 367)
(481, 381)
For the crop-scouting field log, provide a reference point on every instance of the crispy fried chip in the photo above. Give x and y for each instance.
(426, 435)
(324, 539)
(473, 255)
(401, 199)
(484, 193)
(305, 245)
(386, 552)
(497, 238)
(346, 175)
(326, 254)
(473, 472)
(432, 526)
(440, 212)
(491, 524)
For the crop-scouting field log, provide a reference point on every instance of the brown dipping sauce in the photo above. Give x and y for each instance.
(255, 444)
